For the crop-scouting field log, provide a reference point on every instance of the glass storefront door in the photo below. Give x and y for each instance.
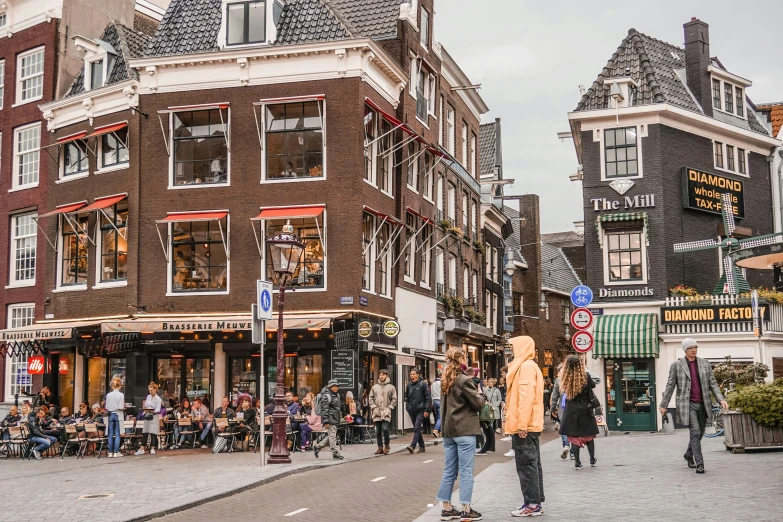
(243, 378)
(630, 394)
(303, 375)
(180, 377)
(117, 369)
(96, 380)
(65, 379)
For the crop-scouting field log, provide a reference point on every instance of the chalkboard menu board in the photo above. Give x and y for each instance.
(342, 367)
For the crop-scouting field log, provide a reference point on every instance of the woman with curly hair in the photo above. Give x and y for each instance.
(460, 404)
(578, 422)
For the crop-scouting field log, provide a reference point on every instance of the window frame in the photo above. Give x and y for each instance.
(451, 202)
(424, 28)
(385, 165)
(226, 137)
(13, 282)
(451, 129)
(84, 157)
(77, 219)
(465, 144)
(20, 79)
(730, 163)
(409, 263)
(322, 238)
(246, 22)
(741, 159)
(739, 101)
(321, 101)
(734, 104)
(742, 163)
(412, 172)
(17, 161)
(605, 233)
(728, 97)
(103, 57)
(428, 179)
(170, 292)
(368, 247)
(371, 143)
(2, 83)
(21, 360)
(452, 275)
(473, 153)
(383, 264)
(717, 94)
(426, 257)
(119, 165)
(120, 207)
(605, 148)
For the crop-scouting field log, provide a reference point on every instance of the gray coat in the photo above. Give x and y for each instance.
(680, 377)
(460, 409)
(383, 399)
(495, 399)
(554, 401)
(331, 412)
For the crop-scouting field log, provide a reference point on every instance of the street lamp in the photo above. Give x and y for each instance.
(285, 252)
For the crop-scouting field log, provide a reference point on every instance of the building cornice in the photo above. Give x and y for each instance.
(88, 105)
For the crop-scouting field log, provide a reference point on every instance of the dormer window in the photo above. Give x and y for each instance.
(622, 92)
(96, 74)
(728, 91)
(425, 28)
(98, 57)
(246, 23)
(2, 20)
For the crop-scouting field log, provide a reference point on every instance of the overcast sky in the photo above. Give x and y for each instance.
(531, 57)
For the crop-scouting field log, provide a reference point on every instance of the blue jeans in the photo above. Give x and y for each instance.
(436, 412)
(113, 431)
(564, 439)
(460, 456)
(207, 426)
(43, 442)
(418, 424)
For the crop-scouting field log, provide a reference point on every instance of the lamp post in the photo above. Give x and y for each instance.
(285, 252)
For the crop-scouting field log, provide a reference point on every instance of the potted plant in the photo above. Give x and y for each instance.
(445, 224)
(756, 419)
(683, 291)
(478, 246)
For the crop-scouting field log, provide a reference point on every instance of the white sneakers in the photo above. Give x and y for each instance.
(506, 439)
(152, 451)
(139, 452)
(509, 453)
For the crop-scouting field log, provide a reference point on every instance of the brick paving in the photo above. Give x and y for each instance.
(641, 477)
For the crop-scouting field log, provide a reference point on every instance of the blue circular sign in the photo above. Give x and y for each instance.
(266, 300)
(581, 296)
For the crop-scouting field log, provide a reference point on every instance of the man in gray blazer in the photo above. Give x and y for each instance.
(694, 380)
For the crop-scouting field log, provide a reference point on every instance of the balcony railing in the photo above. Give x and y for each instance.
(452, 292)
(773, 323)
(440, 290)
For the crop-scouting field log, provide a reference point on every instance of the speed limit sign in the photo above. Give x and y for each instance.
(581, 319)
(582, 342)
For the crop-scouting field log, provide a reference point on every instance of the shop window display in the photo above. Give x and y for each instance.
(199, 256)
(311, 270)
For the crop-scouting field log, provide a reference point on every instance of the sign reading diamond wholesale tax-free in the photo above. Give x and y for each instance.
(702, 191)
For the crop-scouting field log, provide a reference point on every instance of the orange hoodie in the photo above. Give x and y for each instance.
(525, 394)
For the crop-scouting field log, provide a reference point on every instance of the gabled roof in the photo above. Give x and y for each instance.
(188, 27)
(513, 241)
(128, 44)
(774, 113)
(658, 68)
(563, 239)
(304, 21)
(487, 148)
(375, 19)
(556, 271)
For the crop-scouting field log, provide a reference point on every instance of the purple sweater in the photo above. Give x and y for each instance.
(695, 382)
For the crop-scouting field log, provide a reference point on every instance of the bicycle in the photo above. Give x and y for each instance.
(715, 428)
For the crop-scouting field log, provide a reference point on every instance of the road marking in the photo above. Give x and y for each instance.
(427, 461)
(377, 479)
(292, 513)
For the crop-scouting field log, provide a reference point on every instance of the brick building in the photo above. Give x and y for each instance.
(660, 134)
(38, 63)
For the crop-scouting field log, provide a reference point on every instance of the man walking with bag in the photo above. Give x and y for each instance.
(383, 400)
(418, 405)
(694, 380)
(525, 422)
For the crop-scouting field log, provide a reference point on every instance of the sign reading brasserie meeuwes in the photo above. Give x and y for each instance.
(711, 314)
(36, 334)
(178, 326)
(702, 191)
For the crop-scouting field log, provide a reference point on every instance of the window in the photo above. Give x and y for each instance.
(114, 148)
(246, 23)
(426, 255)
(464, 143)
(494, 311)
(422, 101)
(200, 147)
(488, 308)
(385, 248)
(428, 176)
(385, 161)
(465, 211)
(716, 94)
(294, 141)
(487, 261)
(475, 286)
(450, 130)
(473, 232)
(23, 245)
(495, 268)
(199, 260)
(621, 152)
(17, 380)
(625, 255)
(517, 303)
(75, 159)
(113, 243)
(439, 195)
(452, 203)
(312, 265)
(719, 154)
(27, 149)
(3, 20)
(730, 157)
(473, 153)
(466, 283)
(440, 279)
(729, 91)
(30, 76)
(737, 91)
(2, 81)
(413, 166)
(96, 74)
(452, 275)
(425, 27)
(440, 120)
(370, 143)
(368, 234)
(431, 96)
(74, 250)
(565, 311)
(410, 251)
(741, 161)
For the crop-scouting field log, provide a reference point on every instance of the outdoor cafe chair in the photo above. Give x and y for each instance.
(226, 433)
(93, 436)
(18, 441)
(72, 439)
(186, 428)
(127, 435)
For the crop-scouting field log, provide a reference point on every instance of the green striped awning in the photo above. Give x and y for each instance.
(626, 335)
(622, 216)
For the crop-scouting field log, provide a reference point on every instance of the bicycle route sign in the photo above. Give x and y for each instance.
(581, 296)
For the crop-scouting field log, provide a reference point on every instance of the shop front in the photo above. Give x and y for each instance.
(627, 348)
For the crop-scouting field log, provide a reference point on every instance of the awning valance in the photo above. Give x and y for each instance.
(195, 216)
(622, 216)
(425, 218)
(626, 335)
(431, 356)
(236, 322)
(389, 219)
(106, 202)
(402, 358)
(291, 212)
(107, 129)
(43, 332)
(72, 137)
(65, 209)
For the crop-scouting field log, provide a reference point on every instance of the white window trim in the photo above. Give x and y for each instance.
(451, 203)
(722, 107)
(427, 253)
(18, 78)
(465, 282)
(451, 130)
(415, 166)
(320, 99)
(371, 252)
(59, 287)
(264, 275)
(171, 148)
(8, 381)
(117, 166)
(725, 167)
(112, 283)
(452, 274)
(61, 177)
(605, 257)
(103, 55)
(170, 280)
(641, 132)
(17, 131)
(270, 31)
(440, 271)
(425, 44)
(2, 83)
(12, 283)
(411, 253)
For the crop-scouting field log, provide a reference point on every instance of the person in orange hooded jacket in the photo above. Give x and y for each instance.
(525, 422)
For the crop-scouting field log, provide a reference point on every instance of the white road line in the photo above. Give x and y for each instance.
(292, 513)
(427, 461)
(377, 479)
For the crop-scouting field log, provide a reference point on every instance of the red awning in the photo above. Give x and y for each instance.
(106, 129)
(390, 219)
(394, 121)
(196, 216)
(199, 107)
(65, 209)
(72, 137)
(425, 218)
(291, 212)
(106, 202)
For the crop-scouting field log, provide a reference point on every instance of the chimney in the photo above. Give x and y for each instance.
(697, 59)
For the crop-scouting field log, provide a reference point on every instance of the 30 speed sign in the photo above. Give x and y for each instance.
(581, 319)
(582, 342)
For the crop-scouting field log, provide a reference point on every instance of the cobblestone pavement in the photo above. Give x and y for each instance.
(641, 477)
(140, 488)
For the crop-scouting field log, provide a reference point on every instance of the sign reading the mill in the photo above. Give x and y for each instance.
(702, 191)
